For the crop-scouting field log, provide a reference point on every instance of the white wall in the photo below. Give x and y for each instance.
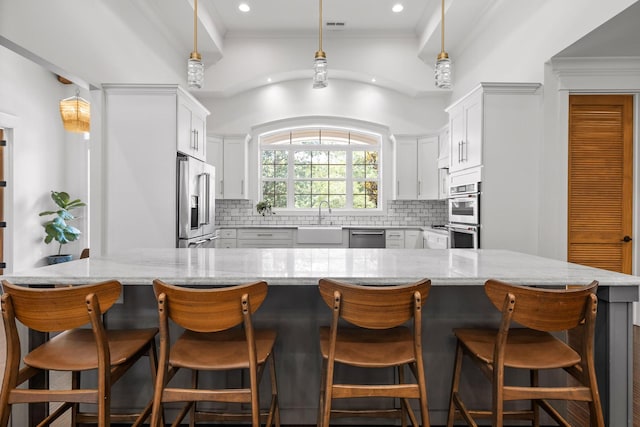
(523, 35)
(30, 95)
(342, 98)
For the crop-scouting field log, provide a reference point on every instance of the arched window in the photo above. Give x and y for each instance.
(300, 168)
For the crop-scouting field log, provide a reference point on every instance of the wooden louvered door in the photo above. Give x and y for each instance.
(601, 181)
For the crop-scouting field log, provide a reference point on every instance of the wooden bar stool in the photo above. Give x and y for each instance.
(376, 338)
(531, 347)
(74, 349)
(213, 341)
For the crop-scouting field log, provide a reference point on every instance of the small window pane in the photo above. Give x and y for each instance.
(268, 187)
(280, 187)
(358, 157)
(371, 171)
(318, 157)
(302, 187)
(320, 187)
(337, 157)
(302, 201)
(338, 202)
(320, 171)
(319, 199)
(337, 187)
(268, 171)
(358, 171)
(281, 157)
(280, 171)
(358, 201)
(337, 171)
(280, 202)
(302, 171)
(302, 157)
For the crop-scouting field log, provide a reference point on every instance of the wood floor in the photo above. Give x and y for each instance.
(636, 370)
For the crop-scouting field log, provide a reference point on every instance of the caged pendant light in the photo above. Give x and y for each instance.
(76, 114)
(443, 63)
(320, 63)
(195, 67)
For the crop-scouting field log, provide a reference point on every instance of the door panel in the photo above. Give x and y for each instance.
(600, 181)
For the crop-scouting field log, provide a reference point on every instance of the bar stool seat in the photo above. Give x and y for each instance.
(369, 329)
(61, 315)
(526, 339)
(217, 334)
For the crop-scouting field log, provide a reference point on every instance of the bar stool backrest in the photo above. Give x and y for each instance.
(210, 310)
(58, 309)
(374, 307)
(546, 309)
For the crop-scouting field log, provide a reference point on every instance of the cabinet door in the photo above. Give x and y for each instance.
(472, 148)
(444, 148)
(456, 138)
(199, 131)
(413, 239)
(443, 178)
(215, 157)
(234, 185)
(406, 169)
(185, 134)
(428, 168)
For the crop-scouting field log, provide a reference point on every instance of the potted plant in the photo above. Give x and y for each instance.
(58, 228)
(264, 208)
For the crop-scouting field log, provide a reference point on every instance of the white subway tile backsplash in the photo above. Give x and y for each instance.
(239, 213)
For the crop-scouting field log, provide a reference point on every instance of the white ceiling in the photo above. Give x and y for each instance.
(220, 19)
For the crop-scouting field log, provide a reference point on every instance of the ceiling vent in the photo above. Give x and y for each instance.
(335, 25)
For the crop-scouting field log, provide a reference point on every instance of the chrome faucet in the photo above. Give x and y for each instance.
(320, 210)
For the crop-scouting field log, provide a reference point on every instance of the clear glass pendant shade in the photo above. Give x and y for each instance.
(443, 72)
(195, 72)
(320, 79)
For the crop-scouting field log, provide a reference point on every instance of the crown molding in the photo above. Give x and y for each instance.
(598, 73)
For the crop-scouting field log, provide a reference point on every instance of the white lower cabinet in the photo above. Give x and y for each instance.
(226, 238)
(403, 239)
(436, 240)
(413, 239)
(394, 239)
(265, 238)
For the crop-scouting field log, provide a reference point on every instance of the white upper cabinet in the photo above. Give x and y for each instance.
(444, 146)
(428, 168)
(192, 128)
(229, 155)
(465, 130)
(416, 168)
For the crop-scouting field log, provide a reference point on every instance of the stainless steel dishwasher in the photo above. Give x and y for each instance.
(363, 238)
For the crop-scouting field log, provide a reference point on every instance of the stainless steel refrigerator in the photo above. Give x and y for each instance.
(196, 203)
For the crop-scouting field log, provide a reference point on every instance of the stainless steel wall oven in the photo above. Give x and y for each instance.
(464, 216)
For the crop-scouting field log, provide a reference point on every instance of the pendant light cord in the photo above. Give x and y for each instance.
(195, 26)
(320, 27)
(442, 38)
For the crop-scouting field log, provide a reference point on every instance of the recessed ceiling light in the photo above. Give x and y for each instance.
(397, 8)
(373, 80)
(268, 79)
(244, 7)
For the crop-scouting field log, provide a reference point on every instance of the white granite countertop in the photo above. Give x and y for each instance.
(305, 266)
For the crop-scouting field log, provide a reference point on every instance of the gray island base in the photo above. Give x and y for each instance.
(296, 310)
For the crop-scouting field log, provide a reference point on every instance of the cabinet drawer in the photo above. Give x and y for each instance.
(227, 233)
(395, 234)
(265, 234)
(226, 243)
(395, 244)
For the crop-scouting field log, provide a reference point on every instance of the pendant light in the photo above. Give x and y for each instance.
(320, 63)
(76, 114)
(443, 63)
(195, 67)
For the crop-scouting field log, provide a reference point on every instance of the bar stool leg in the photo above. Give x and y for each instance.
(455, 385)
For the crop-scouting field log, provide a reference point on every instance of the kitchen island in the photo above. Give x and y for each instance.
(295, 308)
